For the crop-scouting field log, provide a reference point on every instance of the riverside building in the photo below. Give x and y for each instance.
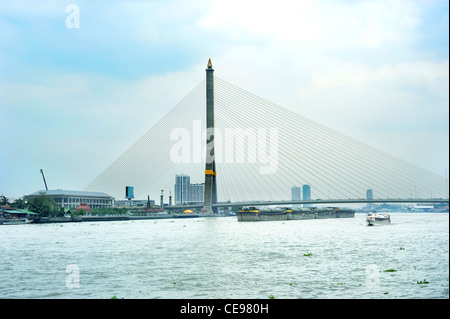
(72, 199)
(185, 192)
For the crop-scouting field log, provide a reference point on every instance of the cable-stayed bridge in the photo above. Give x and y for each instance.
(249, 150)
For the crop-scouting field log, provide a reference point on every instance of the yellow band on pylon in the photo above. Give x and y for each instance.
(210, 172)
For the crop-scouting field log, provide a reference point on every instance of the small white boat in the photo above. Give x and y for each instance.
(373, 219)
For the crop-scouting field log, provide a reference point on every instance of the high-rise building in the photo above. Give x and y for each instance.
(196, 193)
(296, 194)
(306, 194)
(369, 196)
(181, 188)
(185, 192)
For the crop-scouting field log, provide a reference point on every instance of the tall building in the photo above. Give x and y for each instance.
(369, 195)
(181, 188)
(185, 192)
(296, 194)
(196, 193)
(306, 194)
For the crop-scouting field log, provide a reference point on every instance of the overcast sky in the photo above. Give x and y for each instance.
(72, 100)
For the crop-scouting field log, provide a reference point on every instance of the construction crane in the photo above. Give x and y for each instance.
(42, 172)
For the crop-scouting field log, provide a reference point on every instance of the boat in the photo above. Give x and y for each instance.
(248, 214)
(374, 218)
(14, 221)
(283, 213)
(185, 215)
(13, 216)
(269, 214)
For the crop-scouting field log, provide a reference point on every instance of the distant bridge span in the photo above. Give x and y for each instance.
(318, 201)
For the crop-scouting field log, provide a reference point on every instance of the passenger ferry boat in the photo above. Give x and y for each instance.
(14, 221)
(374, 218)
(15, 216)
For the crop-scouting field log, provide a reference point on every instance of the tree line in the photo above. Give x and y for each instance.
(45, 206)
(42, 204)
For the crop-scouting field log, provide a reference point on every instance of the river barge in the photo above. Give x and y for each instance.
(267, 214)
(248, 214)
(273, 214)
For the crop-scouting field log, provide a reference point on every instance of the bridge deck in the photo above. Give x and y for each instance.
(318, 201)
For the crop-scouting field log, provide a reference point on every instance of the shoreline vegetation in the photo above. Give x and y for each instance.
(47, 211)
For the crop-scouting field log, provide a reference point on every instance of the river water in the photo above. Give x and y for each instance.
(223, 258)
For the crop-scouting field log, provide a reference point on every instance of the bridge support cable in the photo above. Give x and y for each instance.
(286, 132)
(291, 156)
(334, 165)
(285, 175)
(393, 176)
(313, 154)
(148, 159)
(243, 173)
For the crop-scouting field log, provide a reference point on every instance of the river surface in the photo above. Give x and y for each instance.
(224, 258)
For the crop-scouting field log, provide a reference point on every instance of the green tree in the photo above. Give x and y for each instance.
(19, 203)
(78, 213)
(4, 200)
(44, 206)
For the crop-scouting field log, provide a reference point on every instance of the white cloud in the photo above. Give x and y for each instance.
(317, 25)
(432, 76)
(281, 20)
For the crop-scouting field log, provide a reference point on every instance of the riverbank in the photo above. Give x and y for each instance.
(77, 219)
(112, 217)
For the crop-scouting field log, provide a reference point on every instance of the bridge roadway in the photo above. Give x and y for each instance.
(317, 201)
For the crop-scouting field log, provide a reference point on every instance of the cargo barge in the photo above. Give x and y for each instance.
(271, 214)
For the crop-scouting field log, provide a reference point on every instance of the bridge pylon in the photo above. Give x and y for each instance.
(210, 195)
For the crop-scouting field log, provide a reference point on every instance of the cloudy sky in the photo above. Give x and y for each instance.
(72, 100)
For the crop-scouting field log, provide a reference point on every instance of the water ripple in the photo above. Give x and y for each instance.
(221, 258)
